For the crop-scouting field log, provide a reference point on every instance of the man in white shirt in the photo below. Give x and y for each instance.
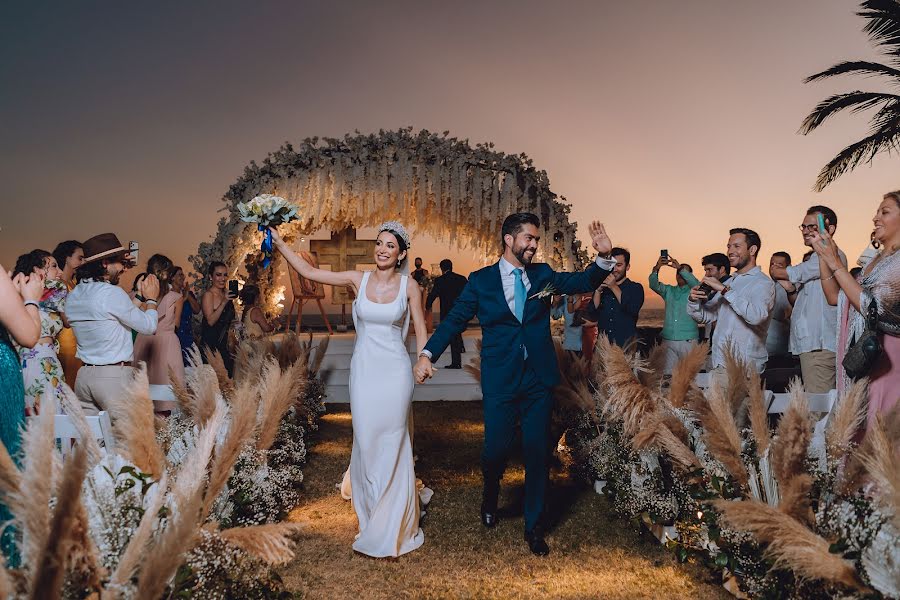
(102, 316)
(780, 324)
(814, 321)
(740, 308)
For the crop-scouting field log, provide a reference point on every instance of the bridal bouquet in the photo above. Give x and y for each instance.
(267, 210)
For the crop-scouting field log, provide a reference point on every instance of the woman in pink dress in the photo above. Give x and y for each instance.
(162, 350)
(879, 281)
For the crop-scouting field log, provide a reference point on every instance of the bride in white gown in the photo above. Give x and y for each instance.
(382, 475)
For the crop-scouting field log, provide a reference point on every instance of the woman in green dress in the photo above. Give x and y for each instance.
(20, 321)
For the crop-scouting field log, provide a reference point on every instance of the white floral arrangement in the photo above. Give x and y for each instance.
(268, 210)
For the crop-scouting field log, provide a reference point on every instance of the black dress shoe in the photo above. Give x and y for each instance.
(536, 543)
(489, 516)
(453, 367)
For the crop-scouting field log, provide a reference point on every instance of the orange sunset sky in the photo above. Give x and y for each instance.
(671, 122)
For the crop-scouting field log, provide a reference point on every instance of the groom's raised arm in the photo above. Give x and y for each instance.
(583, 281)
(464, 309)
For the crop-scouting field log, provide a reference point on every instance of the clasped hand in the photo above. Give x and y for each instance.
(423, 369)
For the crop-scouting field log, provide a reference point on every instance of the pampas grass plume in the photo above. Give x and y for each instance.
(134, 425)
(270, 543)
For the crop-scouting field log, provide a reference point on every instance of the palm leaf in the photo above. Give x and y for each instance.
(856, 67)
(855, 101)
(849, 158)
(883, 27)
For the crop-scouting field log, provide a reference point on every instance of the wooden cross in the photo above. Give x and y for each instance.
(344, 252)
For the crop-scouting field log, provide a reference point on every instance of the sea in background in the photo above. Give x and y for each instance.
(652, 318)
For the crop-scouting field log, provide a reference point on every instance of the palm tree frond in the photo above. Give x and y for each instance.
(883, 27)
(885, 140)
(858, 67)
(855, 101)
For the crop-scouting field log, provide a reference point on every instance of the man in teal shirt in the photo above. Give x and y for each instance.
(679, 332)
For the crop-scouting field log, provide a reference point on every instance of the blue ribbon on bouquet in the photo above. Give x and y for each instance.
(266, 246)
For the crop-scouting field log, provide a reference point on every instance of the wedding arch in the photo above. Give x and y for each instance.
(432, 183)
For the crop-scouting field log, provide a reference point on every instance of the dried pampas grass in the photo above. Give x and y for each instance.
(215, 360)
(315, 362)
(682, 382)
(573, 391)
(50, 564)
(38, 481)
(883, 466)
(652, 375)
(193, 472)
(791, 443)
(277, 389)
(846, 418)
(241, 429)
(627, 399)
(720, 433)
(270, 543)
(72, 407)
(182, 394)
(791, 545)
(204, 386)
(134, 425)
(737, 391)
(759, 417)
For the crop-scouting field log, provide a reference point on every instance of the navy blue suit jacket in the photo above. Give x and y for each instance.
(504, 338)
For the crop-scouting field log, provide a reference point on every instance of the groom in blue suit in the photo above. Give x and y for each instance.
(518, 362)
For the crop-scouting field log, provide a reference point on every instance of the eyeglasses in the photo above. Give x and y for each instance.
(812, 227)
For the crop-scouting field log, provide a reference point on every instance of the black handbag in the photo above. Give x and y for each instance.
(865, 351)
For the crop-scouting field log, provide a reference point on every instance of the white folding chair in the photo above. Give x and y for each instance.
(64, 430)
(163, 398)
(702, 380)
(820, 403)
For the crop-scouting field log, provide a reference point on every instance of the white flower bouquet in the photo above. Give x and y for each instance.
(267, 210)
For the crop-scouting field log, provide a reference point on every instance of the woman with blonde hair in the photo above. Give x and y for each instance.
(878, 283)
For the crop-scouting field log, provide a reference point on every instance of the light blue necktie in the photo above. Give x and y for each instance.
(519, 295)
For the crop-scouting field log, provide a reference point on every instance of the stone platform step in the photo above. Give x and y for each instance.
(447, 384)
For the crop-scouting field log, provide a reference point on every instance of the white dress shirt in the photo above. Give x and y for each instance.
(780, 324)
(102, 317)
(741, 317)
(814, 321)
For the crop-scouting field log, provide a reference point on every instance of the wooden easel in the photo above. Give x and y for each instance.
(303, 290)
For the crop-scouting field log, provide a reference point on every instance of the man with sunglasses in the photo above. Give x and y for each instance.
(813, 334)
(102, 316)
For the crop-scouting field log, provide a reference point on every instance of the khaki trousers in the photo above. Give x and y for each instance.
(98, 387)
(675, 351)
(818, 370)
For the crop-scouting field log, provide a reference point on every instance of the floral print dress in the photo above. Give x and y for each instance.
(42, 373)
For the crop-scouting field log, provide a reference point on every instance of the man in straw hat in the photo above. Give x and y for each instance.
(102, 316)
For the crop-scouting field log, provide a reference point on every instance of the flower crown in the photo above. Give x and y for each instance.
(396, 228)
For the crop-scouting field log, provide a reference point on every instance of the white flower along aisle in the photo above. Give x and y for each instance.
(432, 183)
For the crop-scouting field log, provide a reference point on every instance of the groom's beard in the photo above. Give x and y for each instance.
(523, 258)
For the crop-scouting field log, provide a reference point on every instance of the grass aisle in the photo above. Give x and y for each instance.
(593, 555)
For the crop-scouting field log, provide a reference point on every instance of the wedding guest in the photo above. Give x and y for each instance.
(447, 289)
(618, 302)
(190, 306)
(20, 323)
(813, 335)
(740, 308)
(102, 316)
(42, 372)
(69, 256)
(218, 314)
(564, 307)
(715, 265)
(679, 332)
(420, 275)
(253, 318)
(780, 323)
(878, 282)
(161, 350)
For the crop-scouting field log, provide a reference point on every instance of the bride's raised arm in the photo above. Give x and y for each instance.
(341, 278)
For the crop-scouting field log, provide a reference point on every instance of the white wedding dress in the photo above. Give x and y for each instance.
(383, 487)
